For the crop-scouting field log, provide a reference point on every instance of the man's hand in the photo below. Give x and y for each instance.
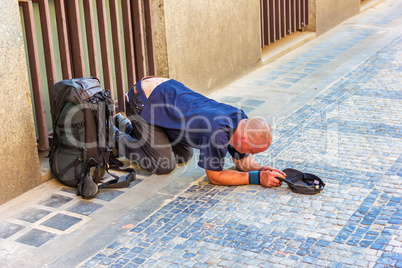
(267, 177)
(233, 177)
(273, 169)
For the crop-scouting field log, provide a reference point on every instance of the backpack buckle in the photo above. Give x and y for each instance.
(93, 99)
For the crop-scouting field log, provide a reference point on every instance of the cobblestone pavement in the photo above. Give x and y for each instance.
(349, 135)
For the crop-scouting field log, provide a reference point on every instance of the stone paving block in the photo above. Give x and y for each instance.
(109, 195)
(8, 229)
(61, 222)
(55, 201)
(32, 215)
(35, 238)
(230, 99)
(84, 208)
(253, 102)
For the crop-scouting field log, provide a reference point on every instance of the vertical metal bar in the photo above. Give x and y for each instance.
(138, 39)
(278, 19)
(104, 44)
(262, 22)
(272, 21)
(288, 17)
(62, 33)
(76, 38)
(47, 45)
(267, 24)
(283, 18)
(293, 14)
(150, 37)
(33, 58)
(298, 15)
(118, 61)
(90, 34)
(128, 42)
(302, 13)
(307, 10)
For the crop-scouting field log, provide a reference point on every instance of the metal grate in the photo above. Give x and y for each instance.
(124, 60)
(282, 17)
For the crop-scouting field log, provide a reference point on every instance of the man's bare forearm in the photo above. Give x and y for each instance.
(247, 164)
(267, 178)
(227, 177)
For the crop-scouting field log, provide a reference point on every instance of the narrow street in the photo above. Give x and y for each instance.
(335, 105)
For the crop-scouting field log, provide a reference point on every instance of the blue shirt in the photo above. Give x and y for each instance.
(195, 120)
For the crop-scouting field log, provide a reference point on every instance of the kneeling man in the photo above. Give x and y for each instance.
(166, 120)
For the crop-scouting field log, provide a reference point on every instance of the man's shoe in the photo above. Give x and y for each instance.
(122, 139)
(123, 123)
(117, 135)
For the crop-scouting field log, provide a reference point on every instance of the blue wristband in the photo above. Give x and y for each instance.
(254, 177)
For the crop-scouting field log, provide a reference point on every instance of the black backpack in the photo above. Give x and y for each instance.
(83, 137)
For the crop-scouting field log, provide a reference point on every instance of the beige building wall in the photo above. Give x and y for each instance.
(206, 44)
(19, 161)
(325, 14)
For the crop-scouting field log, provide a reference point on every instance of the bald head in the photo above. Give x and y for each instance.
(257, 131)
(252, 135)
